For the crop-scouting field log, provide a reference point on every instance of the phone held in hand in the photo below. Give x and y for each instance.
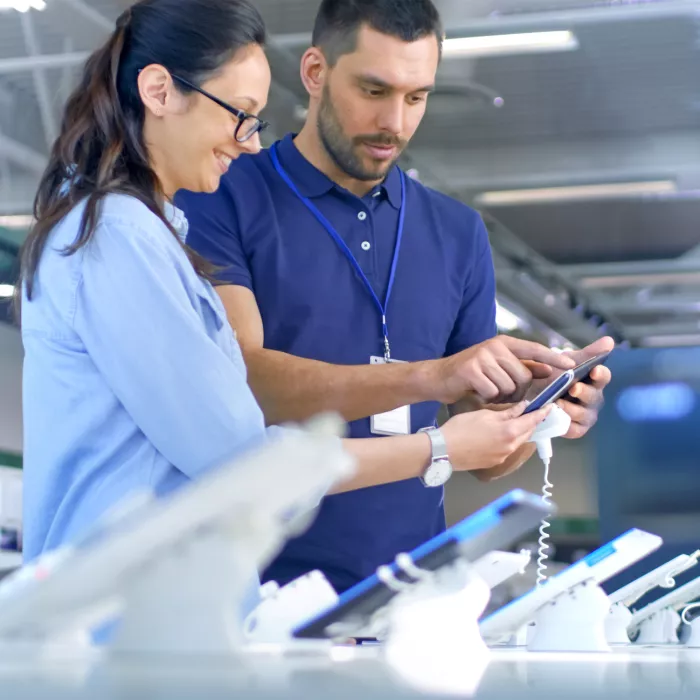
(559, 386)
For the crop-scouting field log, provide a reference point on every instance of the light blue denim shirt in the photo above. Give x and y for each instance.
(132, 376)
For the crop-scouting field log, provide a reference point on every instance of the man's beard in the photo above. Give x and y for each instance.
(344, 150)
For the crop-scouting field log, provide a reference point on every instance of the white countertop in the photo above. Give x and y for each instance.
(359, 674)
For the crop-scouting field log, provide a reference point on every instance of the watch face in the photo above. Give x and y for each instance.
(437, 473)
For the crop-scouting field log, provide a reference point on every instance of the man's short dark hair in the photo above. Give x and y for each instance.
(338, 22)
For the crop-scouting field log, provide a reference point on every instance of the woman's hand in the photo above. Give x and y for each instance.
(484, 439)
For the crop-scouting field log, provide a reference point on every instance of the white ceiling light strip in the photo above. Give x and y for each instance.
(549, 195)
(22, 5)
(504, 44)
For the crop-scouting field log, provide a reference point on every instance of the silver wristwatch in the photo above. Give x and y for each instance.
(440, 468)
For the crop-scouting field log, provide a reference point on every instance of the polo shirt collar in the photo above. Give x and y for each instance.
(311, 182)
(392, 187)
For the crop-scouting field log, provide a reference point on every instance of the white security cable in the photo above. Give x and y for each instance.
(686, 610)
(556, 424)
(543, 544)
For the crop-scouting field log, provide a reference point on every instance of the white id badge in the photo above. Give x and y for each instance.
(396, 422)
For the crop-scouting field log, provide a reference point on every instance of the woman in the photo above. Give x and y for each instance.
(132, 376)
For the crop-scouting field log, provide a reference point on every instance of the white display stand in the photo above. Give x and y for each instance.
(616, 624)
(433, 627)
(620, 617)
(574, 621)
(660, 628)
(284, 609)
(180, 570)
(658, 622)
(694, 638)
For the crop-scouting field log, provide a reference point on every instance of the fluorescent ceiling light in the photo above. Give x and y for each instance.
(617, 190)
(16, 221)
(507, 320)
(22, 5)
(503, 44)
(6, 291)
(665, 341)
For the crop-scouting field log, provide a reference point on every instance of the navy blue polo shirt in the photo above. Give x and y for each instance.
(314, 305)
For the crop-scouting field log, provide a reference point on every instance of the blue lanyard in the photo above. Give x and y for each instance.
(346, 251)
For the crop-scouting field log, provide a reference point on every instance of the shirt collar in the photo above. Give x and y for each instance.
(176, 218)
(392, 187)
(311, 182)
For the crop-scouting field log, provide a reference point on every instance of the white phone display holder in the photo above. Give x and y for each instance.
(556, 424)
(569, 610)
(180, 570)
(660, 628)
(620, 616)
(658, 622)
(573, 621)
(432, 626)
(283, 609)
(693, 641)
(497, 567)
(616, 624)
(492, 569)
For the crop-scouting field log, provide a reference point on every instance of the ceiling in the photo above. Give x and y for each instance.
(623, 107)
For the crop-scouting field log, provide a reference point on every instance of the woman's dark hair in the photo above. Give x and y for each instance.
(101, 149)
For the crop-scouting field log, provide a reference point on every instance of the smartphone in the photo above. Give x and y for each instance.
(564, 382)
(495, 526)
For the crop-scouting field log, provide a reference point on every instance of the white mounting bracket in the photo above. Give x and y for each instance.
(694, 639)
(573, 621)
(179, 572)
(616, 624)
(660, 628)
(433, 627)
(284, 609)
(497, 567)
(621, 618)
(189, 601)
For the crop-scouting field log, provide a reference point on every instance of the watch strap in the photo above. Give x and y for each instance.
(439, 446)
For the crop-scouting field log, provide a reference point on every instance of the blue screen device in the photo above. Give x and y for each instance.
(495, 526)
(559, 386)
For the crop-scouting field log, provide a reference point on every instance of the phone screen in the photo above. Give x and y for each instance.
(562, 383)
(551, 393)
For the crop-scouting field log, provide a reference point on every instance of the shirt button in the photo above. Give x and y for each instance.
(362, 215)
(365, 245)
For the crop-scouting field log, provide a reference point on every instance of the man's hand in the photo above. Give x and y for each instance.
(498, 370)
(590, 396)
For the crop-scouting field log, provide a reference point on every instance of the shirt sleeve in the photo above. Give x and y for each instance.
(215, 233)
(476, 321)
(135, 316)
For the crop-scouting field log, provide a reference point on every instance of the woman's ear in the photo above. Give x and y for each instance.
(157, 91)
(314, 71)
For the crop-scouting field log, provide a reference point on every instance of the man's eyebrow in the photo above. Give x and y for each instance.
(378, 82)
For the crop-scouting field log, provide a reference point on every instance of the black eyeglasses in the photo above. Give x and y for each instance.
(248, 124)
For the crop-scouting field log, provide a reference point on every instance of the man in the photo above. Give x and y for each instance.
(334, 262)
